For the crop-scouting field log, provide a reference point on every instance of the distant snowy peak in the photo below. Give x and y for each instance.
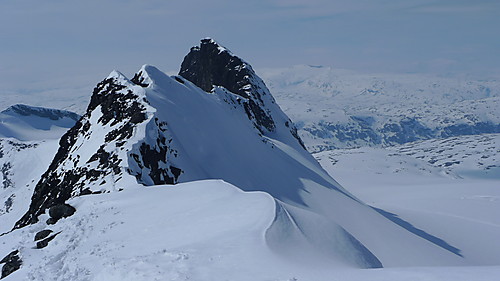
(211, 65)
(25, 123)
(52, 114)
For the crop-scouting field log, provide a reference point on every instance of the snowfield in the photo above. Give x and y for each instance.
(452, 202)
(21, 164)
(206, 230)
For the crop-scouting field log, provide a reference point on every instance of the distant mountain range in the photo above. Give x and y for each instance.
(341, 109)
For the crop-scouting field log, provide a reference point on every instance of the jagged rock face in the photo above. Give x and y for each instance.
(105, 146)
(149, 162)
(79, 167)
(210, 65)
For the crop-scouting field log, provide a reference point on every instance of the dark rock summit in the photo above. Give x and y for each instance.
(211, 65)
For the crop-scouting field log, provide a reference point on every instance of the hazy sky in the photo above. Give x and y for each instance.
(45, 43)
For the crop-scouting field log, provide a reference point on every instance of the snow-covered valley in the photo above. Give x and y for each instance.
(202, 176)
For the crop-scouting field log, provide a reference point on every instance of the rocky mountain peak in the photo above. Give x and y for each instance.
(211, 66)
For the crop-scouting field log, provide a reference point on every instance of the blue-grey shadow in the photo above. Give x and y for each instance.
(419, 232)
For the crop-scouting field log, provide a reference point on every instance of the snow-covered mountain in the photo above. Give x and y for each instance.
(24, 122)
(246, 192)
(340, 109)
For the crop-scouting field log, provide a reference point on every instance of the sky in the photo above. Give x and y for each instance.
(54, 44)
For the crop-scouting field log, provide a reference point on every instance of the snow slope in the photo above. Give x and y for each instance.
(21, 165)
(339, 109)
(205, 230)
(188, 231)
(288, 173)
